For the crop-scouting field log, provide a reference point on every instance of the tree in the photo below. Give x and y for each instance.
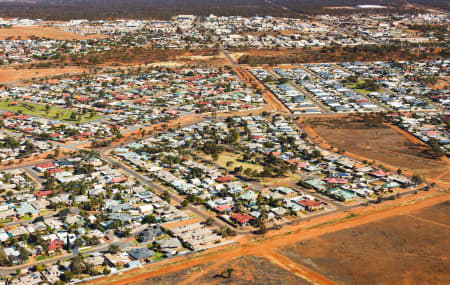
(114, 248)
(416, 179)
(67, 276)
(262, 228)
(166, 196)
(76, 266)
(185, 203)
(149, 219)
(23, 254)
(64, 212)
(229, 272)
(73, 116)
(78, 242)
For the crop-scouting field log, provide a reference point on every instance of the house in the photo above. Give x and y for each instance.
(279, 211)
(119, 259)
(243, 219)
(26, 208)
(12, 252)
(95, 258)
(310, 205)
(55, 245)
(18, 231)
(42, 193)
(44, 166)
(140, 254)
(224, 179)
(168, 243)
(146, 208)
(123, 217)
(223, 208)
(52, 274)
(150, 234)
(3, 235)
(30, 279)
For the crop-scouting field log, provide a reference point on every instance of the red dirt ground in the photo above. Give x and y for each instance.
(408, 248)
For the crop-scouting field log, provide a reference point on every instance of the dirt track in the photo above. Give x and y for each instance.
(268, 96)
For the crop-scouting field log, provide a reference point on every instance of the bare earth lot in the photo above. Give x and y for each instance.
(381, 143)
(25, 33)
(251, 270)
(246, 270)
(404, 249)
(171, 277)
(9, 74)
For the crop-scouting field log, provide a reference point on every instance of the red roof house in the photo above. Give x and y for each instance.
(44, 166)
(118, 179)
(224, 179)
(310, 205)
(55, 244)
(42, 193)
(222, 208)
(242, 218)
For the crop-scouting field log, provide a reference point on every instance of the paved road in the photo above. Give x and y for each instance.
(35, 176)
(228, 56)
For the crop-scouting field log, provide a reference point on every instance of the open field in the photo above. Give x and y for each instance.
(254, 57)
(439, 213)
(25, 33)
(236, 159)
(244, 270)
(355, 85)
(9, 74)
(40, 111)
(381, 143)
(250, 270)
(408, 248)
(172, 277)
(289, 180)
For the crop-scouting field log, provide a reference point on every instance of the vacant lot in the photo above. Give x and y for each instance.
(439, 213)
(25, 33)
(243, 270)
(9, 74)
(404, 249)
(376, 142)
(250, 270)
(171, 277)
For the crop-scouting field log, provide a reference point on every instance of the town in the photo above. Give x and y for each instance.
(216, 139)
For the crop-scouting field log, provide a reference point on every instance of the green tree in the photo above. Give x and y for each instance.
(416, 179)
(114, 248)
(76, 265)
